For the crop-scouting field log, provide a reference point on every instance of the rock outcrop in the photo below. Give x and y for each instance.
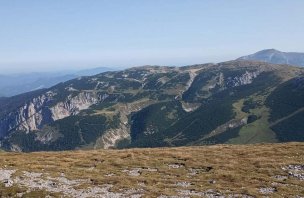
(244, 79)
(37, 112)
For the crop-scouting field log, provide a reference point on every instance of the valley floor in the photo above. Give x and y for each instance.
(261, 170)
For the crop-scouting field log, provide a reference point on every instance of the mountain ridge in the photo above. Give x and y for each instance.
(229, 102)
(14, 84)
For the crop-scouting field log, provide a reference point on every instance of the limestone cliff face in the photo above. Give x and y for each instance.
(112, 136)
(36, 112)
(73, 105)
(244, 79)
(28, 117)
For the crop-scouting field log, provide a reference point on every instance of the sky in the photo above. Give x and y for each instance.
(58, 35)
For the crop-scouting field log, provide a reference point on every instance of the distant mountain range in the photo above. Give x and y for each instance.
(15, 84)
(236, 102)
(11, 85)
(276, 57)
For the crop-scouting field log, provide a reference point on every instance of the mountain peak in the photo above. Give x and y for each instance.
(276, 57)
(268, 51)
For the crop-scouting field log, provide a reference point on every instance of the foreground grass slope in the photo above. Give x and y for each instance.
(275, 170)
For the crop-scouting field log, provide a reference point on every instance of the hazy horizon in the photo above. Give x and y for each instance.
(44, 36)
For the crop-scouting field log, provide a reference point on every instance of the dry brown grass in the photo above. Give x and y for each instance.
(234, 168)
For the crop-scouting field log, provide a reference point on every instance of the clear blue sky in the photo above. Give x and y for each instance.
(63, 34)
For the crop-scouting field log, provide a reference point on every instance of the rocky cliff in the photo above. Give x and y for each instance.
(37, 112)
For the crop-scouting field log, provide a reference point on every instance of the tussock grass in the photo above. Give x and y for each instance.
(233, 168)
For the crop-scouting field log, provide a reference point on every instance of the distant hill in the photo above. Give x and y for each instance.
(276, 57)
(15, 84)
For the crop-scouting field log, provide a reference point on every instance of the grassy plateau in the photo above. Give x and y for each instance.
(256, 170)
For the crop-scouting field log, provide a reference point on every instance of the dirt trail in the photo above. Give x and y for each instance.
(286, 117)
